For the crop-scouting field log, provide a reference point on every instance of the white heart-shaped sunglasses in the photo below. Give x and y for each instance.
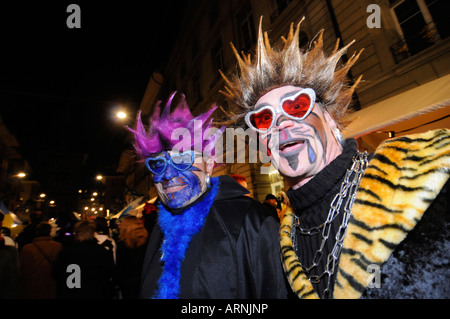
(296, 107)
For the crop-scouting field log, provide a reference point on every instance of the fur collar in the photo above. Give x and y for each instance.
(402, 179)
(178, 230)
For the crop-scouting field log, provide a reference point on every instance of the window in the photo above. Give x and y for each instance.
(196, 88)
(247, 27)
(303, 40)
(217, 55)
(213, 14)
(439, 12)
(280, 6)
(218, 60)
(421, 23)
(277, 187)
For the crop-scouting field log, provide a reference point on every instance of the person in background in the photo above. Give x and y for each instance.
(150, 216)
(27, 234)
(103, 237)
(131, 247)
(241, 180)
(95, 264)
(9, 241)
(9, 269)
(36, 264)
(270, 201)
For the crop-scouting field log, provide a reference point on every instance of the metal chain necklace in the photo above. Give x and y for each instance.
(347, 192)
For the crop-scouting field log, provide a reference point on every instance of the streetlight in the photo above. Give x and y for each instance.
(21, 175)
(121, 115)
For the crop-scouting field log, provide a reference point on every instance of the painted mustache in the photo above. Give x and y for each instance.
(290, 145)
(174, 185)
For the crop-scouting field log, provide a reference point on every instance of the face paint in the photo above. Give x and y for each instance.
(303, 144)
(311, 155)
(176, 188)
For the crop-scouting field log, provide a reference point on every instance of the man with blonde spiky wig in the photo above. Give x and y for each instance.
(353, 222)
(210, 241)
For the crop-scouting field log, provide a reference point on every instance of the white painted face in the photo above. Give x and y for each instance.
(299, 148)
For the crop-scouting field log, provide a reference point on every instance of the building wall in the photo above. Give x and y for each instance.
(209, 26)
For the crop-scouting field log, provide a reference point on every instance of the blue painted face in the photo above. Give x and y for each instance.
(177, 188)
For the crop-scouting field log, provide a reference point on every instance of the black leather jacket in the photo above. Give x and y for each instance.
(235, 254)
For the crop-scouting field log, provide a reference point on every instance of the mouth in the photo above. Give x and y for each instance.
(173, 188)
(291, 145)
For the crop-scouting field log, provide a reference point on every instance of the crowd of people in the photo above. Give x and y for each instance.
(93, 259)
(83, 259)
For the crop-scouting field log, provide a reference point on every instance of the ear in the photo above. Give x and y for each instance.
(209, 166)
(330, 121)
(334, 129)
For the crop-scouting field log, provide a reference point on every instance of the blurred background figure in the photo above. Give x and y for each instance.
(131, 247)
(65, 223)
(103, 237)
(271, 203)
(241, 180)
(9, 269)
(150, 216)
(27, 234)
(6, 232)
(95, 263)
(36, 264)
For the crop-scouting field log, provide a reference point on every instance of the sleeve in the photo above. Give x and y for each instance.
(260, 241)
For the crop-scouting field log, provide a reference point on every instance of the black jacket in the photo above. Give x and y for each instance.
(95, 271)
(235, 254)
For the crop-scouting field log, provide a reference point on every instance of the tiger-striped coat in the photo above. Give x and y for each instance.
(403, 178)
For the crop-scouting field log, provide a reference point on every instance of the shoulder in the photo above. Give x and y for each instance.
(231, 202)
(240, 214)
(241, 206)
(27, 248)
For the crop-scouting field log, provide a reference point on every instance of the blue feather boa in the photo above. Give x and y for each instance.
(178, 231)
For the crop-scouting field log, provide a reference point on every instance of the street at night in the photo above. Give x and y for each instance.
(241, 149)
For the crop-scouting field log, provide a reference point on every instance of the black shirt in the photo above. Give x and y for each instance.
(311, 204)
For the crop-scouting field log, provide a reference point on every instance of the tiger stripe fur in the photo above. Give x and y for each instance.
(402, 179)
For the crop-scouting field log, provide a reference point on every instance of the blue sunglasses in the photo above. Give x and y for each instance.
(182, 162)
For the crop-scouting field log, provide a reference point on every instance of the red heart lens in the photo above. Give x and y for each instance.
(262, 120)
(297, 107)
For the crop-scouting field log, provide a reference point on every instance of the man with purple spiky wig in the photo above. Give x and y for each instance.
(211, 241)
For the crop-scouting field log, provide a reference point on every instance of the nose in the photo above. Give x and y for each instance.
(282, 122)
(170, 172)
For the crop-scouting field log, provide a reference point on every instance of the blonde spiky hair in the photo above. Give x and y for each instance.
(289, 66)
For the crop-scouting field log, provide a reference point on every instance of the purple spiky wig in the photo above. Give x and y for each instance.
(162, 124)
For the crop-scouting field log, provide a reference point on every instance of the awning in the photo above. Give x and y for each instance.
(417, 110)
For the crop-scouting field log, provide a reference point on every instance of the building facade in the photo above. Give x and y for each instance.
(406, 45)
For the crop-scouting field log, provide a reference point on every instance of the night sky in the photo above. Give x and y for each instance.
(60, 87)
